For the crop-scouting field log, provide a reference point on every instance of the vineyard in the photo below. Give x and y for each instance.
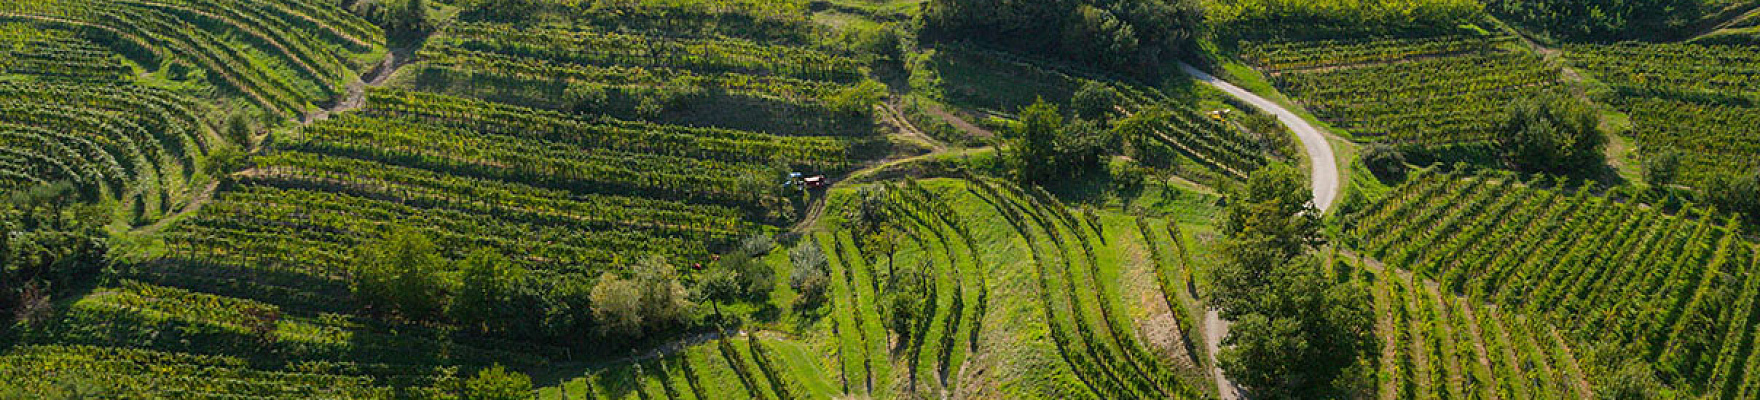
(1698, 99)
(285, 56)
(776, 88)
(1676, 290)
(1220, 151)
(750, 367)
(1428, 90)
(1439, 345)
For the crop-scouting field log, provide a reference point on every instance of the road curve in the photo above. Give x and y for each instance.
(1324, 165)
(1325, 184)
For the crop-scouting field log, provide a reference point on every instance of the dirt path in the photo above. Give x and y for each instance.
(889, 114)
(1214, 329)
(355, 98)
(195, 204)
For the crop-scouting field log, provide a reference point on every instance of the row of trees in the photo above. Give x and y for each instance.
(405, 277)
(1129, 35)
(1602, 20)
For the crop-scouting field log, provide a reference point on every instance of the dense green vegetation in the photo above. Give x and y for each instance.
(792, 199)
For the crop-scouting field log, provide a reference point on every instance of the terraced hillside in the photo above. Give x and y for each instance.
(1433, 89)
(284, 56)
(1008, 295)
(1615, 279)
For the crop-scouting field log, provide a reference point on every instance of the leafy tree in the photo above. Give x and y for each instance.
(1664, 168)
(486, 287)
(400, 275)
(238, 129)
(1096, 101)
(1737, 194)
(617, 305)
(718, 285)
(755, 278)
(902, 301)
(497, 383)
(411, 18)
(1300, 331)
(812, 275)
(1384, 160)
(225, 160)
(1602, 20)
(664, 299)
(1552, 133)
(1042, 148)
(653, 298)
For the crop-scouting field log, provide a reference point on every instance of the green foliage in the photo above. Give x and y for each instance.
(1383, 160)
(239, 130)
(46, 238)
(903, 300)
(856, 101)
(1131, 35)
(1096, 101)
(1663, 168)
(617, 305)
(497, 383)
(1552, 133)
(1340, 18)
(811, 277)
(400, 275)
(1300, 330)
(1634, 380)
(225, 160)
(1738, 194)
(1042, 148)
(652, 299)
(487, 282)
(1602, 20)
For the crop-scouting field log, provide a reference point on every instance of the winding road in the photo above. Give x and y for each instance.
(1324, 166)
(1324, 175)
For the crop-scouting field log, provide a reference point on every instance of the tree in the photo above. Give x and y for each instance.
(1127, 35)
(664, 300)
(1737, 194)
(238, 129)
(902, 302)
(1300, 331)
(617, 305)
(1664, 168)
(1042, 148)
(497, 383)
(410, 19)
(1384, 160)
(651, 299)
(486, 286)
(812, 275)
(400, 275)
(1096, 101)
(755, 278)
(1552, 133)
(718, 285)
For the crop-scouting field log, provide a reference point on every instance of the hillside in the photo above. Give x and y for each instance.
(956, 199)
